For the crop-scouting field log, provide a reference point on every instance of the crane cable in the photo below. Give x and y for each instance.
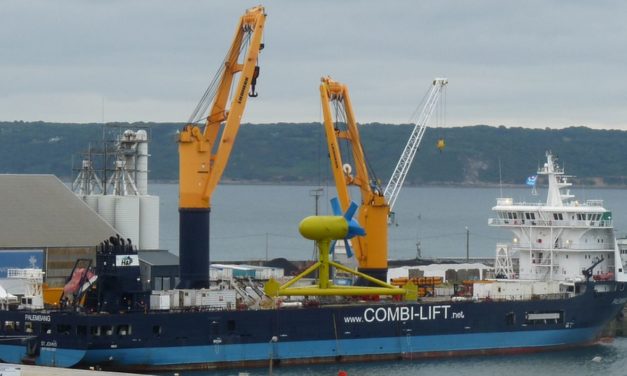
(208, 96)
(413, 118)
(340, 111)
(340, 118)
(441, 119)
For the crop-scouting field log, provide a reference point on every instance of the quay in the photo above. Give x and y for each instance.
(7, 369)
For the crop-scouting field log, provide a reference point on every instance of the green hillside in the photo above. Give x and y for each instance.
(297, 153)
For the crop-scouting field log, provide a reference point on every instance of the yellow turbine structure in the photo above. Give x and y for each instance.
(323, 230)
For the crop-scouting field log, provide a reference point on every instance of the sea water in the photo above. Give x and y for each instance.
(261, 221)
(606, 359)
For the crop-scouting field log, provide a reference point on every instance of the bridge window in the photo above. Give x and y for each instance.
(95, 331)
(81, 330)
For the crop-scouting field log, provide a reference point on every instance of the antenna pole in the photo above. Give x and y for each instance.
(467, 244)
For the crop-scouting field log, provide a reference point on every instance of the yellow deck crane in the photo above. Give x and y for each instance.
(202, 156)
(371, 250)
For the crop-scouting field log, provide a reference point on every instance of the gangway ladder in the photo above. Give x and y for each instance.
(402, 167)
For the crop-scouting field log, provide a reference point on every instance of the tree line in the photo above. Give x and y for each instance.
(296, 153)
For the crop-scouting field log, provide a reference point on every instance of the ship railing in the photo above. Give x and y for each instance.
(605, 223)
(30, 274)
(507, 201)
(594, 203)
(609, 247)
(509, 297)
(544, 261)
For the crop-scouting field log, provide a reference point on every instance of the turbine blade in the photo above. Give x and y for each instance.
(355, 229)
(351, 211)
(349, 251)
(335, 206)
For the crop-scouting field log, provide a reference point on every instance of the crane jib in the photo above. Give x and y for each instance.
(242, 90)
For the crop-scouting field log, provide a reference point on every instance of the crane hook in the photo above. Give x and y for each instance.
(253, 83)
(441, 144)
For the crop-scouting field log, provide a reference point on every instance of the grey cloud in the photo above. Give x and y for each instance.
(532, 63)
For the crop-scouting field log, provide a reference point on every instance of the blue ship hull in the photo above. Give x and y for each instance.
(155, 340)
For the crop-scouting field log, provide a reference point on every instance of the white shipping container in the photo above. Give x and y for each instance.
(543, 288)
(503, 290)
(220, 273)
(515, 290)
(444, 291)
(176, 298)
(481, 290)
(202, 298)
(262, 273)
(160, 301)
(223, 299)
(265, 273)
(189, 297)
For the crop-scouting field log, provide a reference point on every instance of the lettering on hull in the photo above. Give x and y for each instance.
(405, 313)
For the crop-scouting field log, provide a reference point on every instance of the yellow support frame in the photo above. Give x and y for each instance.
(325, 287)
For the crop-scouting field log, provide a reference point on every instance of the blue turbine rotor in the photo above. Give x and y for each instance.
(354, 229)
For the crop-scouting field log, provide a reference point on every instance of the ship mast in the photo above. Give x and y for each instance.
(559, 192)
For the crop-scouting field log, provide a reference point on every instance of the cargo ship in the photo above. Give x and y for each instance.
(559, 283)
(561, 299)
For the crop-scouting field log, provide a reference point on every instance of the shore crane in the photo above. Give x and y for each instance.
(371, 250)
(202, 156)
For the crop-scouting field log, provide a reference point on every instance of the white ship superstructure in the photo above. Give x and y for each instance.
(559, 239)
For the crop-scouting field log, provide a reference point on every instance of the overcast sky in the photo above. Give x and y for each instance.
(515, 63)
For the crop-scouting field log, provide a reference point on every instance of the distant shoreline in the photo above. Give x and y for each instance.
(436, 185)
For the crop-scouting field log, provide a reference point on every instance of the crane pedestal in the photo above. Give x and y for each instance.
(194, 248)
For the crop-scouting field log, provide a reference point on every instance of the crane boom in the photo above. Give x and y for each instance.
(202, 157)
(407, 157)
